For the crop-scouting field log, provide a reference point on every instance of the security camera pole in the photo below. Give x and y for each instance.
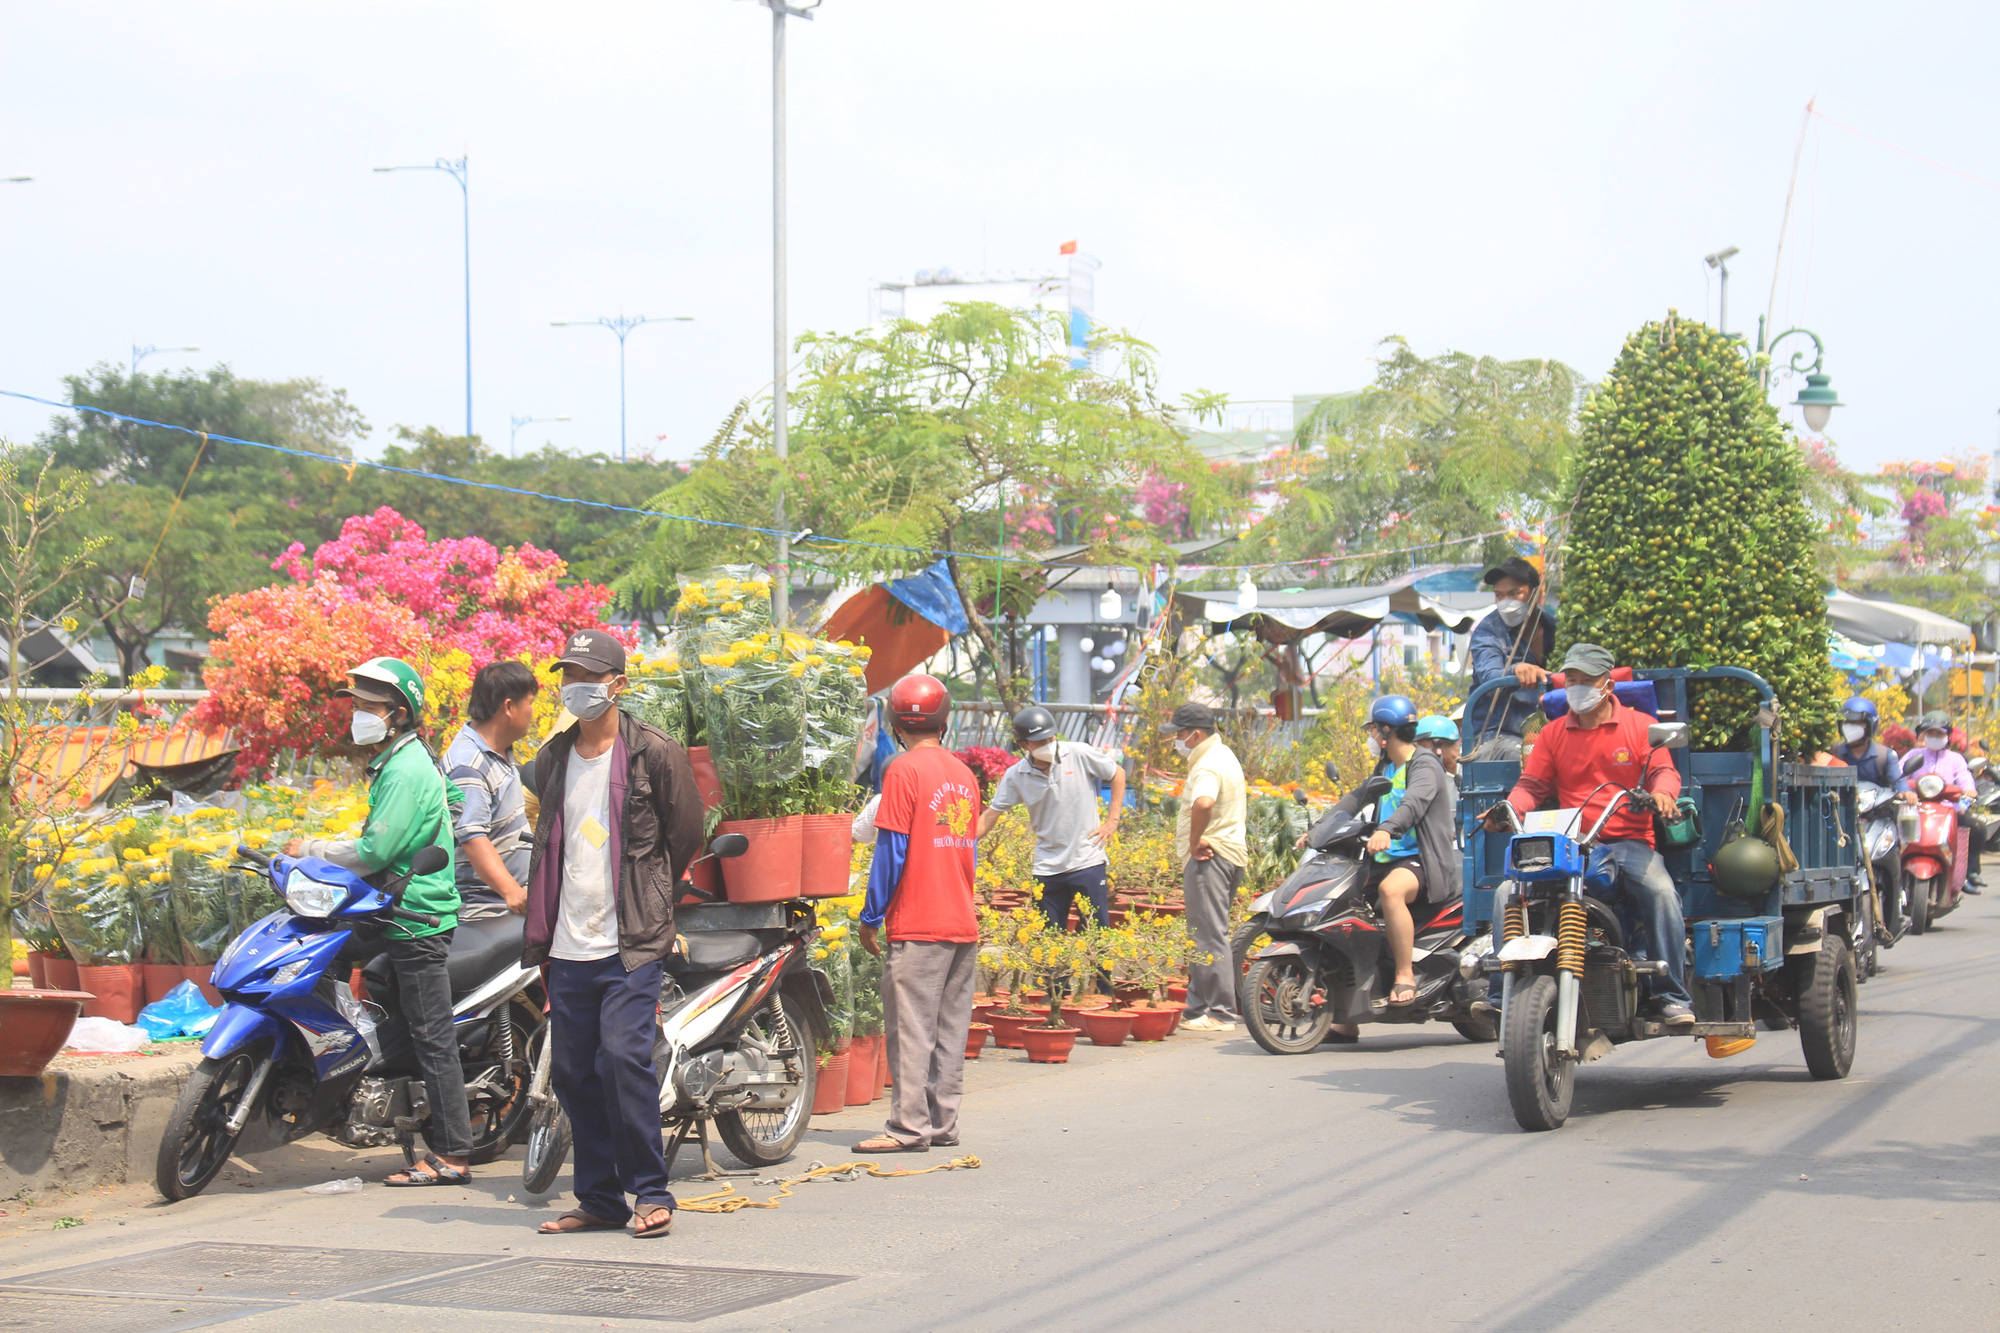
(781, 582)
(1719, 261)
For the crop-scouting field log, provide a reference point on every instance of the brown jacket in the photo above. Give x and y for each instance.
(657, 835)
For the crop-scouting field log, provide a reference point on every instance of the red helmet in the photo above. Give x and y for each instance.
(920, 703)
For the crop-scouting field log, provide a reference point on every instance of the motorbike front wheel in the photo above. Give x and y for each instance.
(1866, 947)
(1540, 1081)
(1285, 1006)
(767, 1137)
(198, 1141)
(1253, 934)
(1919, 910)
(548, 1147)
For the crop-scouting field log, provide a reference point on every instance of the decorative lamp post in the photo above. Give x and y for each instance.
(1817, 399)
(622, 326)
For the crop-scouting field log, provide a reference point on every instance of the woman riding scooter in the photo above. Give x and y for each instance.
(1934, 736)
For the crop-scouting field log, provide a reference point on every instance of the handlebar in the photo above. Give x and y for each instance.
(421, 918)
(253, 855)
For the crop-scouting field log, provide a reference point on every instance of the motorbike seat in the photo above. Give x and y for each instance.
(481, 950)
(712, 951)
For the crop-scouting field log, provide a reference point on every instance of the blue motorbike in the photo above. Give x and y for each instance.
(296, 1051)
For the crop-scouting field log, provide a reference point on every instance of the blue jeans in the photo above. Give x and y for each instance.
(603, 1025)
(1655, 905)
(1060, 891)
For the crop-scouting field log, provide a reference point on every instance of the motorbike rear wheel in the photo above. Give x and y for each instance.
(198, 1141)
(767, 1137)
(1827, 1009)
(1919, 909)
(495, 1129)
(1278, 1005)
(1540, 1082)
(1481, 1030)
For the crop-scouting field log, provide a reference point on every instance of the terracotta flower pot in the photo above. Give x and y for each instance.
(61, 971)
(119, 990)
(975, 1039)
(705, 780)
(830, 1092)
(1049, 1046)
(1106, 1027)
(1150, 1024)
(33, 1026)
(199, 973)
(826, 849)
(1129, 995)
(769, 871)
(161, 978)
(1007, 1028)
(38, 969)
(863, 1061)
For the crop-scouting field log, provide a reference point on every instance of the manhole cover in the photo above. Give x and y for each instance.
(262, 1272)
(104, 1314)
(606, 1290)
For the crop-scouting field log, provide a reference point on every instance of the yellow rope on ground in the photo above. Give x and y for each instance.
(727, 1200)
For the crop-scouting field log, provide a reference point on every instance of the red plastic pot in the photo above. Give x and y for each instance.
(1150, 1024)
(61, 971)
(1007, 1028)
(769, 871)
(1178, 994)
(826, 849)
(1130, 994)
(863, 1062)
(38, 969)
(199, 973)
(975, 1039)
(33, 1026)
(1049, 1046)
(118, 990)
(705, 780)
(161, 978)
(1106, 1027)
(830, 1092)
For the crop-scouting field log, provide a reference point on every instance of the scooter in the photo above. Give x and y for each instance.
(742, 1015)
(1882, 841)
(296, 1051)
(1327, 960)
(1935, 849)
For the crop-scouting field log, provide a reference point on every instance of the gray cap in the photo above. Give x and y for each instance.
(1189, 716)
(1589, 659)
(1935, 720)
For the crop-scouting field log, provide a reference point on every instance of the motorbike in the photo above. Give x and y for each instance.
(1934, 849)
(1327, 961)
(297, 1051)
(742, 1015)
(1882, 843)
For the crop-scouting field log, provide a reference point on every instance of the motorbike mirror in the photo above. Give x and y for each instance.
(428, 861)
(1333, 772)
(1667, 735)
(1978, 766)
(1375, 786)
(1912, 762)
(1299, 795)
(729, 845)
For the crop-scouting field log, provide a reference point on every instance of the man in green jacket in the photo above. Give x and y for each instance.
(409, 808)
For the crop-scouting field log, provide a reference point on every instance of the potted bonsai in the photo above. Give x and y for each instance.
(1057, 955)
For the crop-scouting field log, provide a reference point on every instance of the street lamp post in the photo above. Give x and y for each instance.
(1817, 400)
(141, 353)
(622, 326)
(457, 171)
(514, 428)
(781, 584)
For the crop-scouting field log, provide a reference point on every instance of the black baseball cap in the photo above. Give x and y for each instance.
(592, 650)
(1515, 568)
(1190, 715)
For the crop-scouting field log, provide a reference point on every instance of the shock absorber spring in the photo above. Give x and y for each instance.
(1513, 925)
(1571, 930)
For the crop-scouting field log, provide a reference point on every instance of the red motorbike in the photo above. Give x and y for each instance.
(1936, 849)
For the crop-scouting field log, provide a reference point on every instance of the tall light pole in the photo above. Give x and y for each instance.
(514, 425)
(141, 353)
(457, 171)
(622, 326)
(1719, 261)
(781, 582)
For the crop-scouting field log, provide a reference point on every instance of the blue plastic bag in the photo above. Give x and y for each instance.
(183, 1013)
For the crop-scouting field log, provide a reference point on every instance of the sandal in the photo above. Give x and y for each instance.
(1407, 990)
(584, 1222)
(647, 1230)
(889, 1143)
(439, 1174)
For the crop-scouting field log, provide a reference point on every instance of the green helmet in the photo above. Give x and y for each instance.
(1745, 867)
(387, 680)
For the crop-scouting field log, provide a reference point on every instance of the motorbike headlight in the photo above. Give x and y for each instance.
(307, 896)
(1881, 841)
(1930, 786)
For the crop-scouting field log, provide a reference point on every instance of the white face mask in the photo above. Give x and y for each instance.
(1583, 698)
(587, 700)
(368, 728)
(1511, 611)
(1043, 751)
(1182, 748)
(1854, 731)
(1936, 743)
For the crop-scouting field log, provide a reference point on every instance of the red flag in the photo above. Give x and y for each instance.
(1068, 248)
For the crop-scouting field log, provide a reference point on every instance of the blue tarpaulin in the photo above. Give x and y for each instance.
(931, 596)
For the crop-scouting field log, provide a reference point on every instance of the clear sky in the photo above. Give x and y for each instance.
(1271, 188)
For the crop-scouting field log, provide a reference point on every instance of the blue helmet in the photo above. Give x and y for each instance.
(1437, 727)
(1392, 710)
(1859, 709)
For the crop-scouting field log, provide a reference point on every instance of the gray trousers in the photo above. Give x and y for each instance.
(1500, 746)
(927, 1012)
(1209, 887)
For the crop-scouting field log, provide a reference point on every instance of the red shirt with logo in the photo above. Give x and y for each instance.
(1583, 767)
(931, 797)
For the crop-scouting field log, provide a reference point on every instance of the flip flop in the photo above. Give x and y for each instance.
(888, 1143)
(648, 1230)
(585, 1222)
(439, 1174)
(1398, 989)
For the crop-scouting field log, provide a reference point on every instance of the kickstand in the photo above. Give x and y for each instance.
(711, 1171)
(674, 1147)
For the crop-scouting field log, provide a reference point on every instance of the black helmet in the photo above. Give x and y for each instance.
(1034, 724)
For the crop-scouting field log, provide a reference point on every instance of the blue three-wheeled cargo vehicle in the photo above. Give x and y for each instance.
(1778, 948)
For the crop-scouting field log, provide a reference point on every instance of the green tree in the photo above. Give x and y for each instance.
(1691, 543)
(914, 436)
(1949, 532)
(1435, 449)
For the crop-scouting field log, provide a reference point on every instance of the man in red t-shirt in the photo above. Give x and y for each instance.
(921, 882)
(1594, 754)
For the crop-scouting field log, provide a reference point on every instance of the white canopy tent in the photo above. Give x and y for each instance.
(1891, 622)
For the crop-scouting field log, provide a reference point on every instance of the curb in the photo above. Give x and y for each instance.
(76, 1129)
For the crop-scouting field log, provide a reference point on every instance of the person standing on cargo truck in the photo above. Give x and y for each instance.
(1515, 640)
(920, 889)
(1057, 782)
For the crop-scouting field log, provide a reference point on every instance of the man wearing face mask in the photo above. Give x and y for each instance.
(1515, 641)
(620, 820)
(492, 829)
(1057, 782)
(1871, 760)
(1209, 834)
(1594, 753)
(1934, 741)
(409, 808)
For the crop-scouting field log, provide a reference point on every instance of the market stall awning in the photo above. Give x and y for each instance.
(1343, 613)
(1891, 622)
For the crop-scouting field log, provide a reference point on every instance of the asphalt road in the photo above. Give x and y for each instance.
(1202, 1184)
